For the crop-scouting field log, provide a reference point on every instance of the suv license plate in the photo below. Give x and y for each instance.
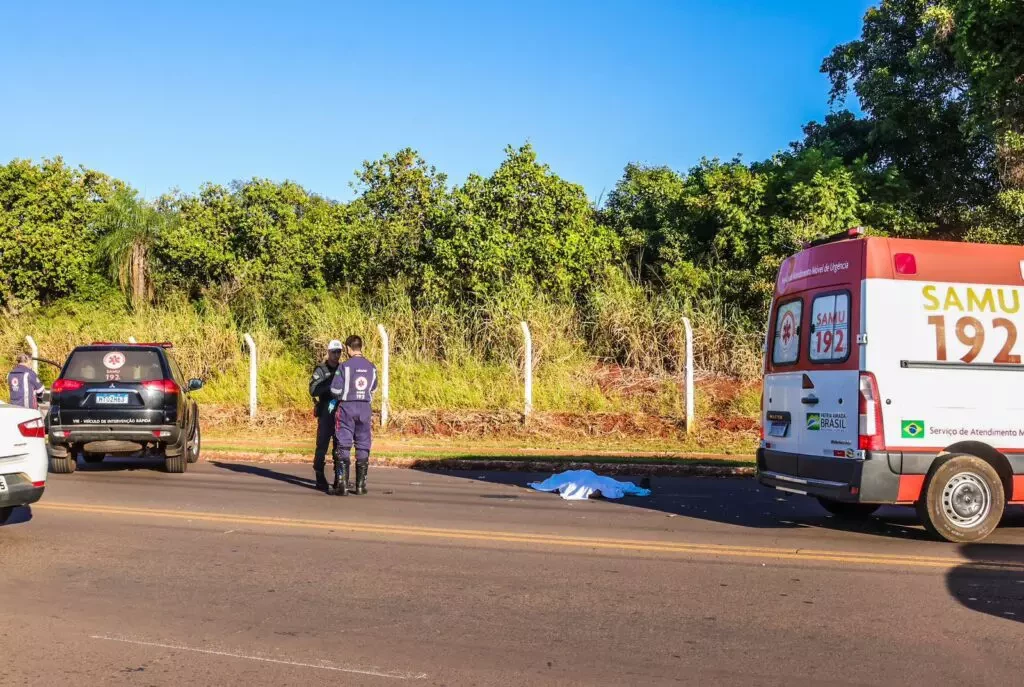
(3, 484)
(112, 399)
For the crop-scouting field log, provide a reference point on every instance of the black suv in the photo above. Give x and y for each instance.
(122, 399)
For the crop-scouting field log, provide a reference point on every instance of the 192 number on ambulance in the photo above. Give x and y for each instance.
(971, 333)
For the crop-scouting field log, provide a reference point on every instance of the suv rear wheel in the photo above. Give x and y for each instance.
(5, 514)
(179, 462)
(63, 466)
(963, 499)
(194, 444)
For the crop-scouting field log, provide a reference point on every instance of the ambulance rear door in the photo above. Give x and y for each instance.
(812, 380)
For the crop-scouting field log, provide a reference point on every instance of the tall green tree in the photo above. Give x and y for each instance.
(521, 229)
(916, 94)
(46, 236)
(401, 198)
(128, 228)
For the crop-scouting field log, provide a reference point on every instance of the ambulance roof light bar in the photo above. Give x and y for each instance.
(851, 233)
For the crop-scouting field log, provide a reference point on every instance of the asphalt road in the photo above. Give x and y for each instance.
(238, 574)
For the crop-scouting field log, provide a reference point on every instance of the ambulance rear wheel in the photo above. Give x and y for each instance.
(847, 510)
(963, 499)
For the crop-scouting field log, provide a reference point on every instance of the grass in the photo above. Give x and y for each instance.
(619, 355)
(467, 453)
(704, 445)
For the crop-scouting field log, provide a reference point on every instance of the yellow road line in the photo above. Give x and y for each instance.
(544, 539)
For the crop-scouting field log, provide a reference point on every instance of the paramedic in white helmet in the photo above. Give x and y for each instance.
(324, 407)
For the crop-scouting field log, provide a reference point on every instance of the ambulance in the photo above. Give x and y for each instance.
(893, 375)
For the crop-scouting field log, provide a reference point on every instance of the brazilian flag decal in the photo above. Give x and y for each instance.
(814, 422)
(912, 429)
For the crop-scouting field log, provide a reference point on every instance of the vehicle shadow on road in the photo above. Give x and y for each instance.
(122, 463)
(996, 590)
(258, 471)
(21, 515)
(737, 501)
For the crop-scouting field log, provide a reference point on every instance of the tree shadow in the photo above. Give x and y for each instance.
(249, 469)
(993, 582)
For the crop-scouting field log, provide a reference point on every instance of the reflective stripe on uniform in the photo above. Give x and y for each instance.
(348, 379)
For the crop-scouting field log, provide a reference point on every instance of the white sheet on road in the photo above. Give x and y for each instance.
(578, 485)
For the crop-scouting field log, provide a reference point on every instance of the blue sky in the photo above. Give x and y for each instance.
(172, 94)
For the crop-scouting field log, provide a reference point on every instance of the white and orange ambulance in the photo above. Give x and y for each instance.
(893, 375)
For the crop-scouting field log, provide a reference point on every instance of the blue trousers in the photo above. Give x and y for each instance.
(353, 427)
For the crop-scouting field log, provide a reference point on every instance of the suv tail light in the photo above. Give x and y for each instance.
(62, 385)
(872, 437)
(34, 429)
(168, 386)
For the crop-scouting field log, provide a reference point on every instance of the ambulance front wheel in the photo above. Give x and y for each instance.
(847, 510)
(963, 499)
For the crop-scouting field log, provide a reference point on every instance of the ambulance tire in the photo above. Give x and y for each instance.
(963, 499)
(847, 510)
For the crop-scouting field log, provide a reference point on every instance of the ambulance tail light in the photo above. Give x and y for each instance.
(871, 437)
(762, 414)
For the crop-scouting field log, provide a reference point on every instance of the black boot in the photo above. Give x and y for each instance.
(361, 469)
(340, 486)
(321, 481)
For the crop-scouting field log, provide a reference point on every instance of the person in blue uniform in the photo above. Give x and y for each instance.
(353, 387)
(23, 383)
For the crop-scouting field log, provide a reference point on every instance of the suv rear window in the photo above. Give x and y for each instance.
(114, 366)
(830, 328)
(786, 343)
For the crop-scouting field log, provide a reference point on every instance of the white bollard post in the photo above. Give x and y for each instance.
(131, 340)
(385, 376)
(35, 352)
(252, 376)
(527, 371)
(690, 419)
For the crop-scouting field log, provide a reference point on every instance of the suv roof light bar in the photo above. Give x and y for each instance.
(158, 344)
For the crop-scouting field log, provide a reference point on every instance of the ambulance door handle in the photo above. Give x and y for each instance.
(809, 400)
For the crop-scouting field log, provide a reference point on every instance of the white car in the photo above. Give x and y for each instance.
(23, 460)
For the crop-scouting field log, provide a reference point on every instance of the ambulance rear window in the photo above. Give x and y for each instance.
(786, 339)
(830, 328)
